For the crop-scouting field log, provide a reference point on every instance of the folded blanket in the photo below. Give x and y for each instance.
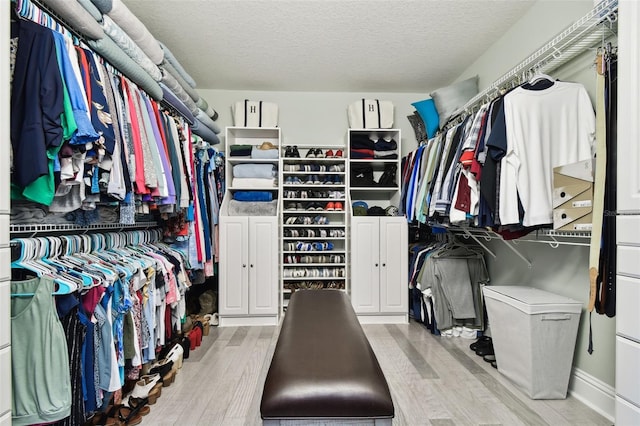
(207, 121)
(203, 105)
(361, 153)
(253, 208)
(240, 147)
(92, 9)
(389, 155)
(251, 170)
(266, 154)
(254, 183)
(168, 55)
(103, 6)
(136, 30)
(177, 90)
(108, 49)
(183, 83)
(130, 48)
(77, 17)
(170, 98)
(240, 151)
(385, 145)
(253, 196)
(204, 132)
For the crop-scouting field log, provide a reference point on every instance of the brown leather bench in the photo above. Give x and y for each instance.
(323, 367)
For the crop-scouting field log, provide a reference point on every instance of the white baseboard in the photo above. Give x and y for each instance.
(594, 393)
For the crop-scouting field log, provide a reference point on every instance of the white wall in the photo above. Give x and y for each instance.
(315, 118)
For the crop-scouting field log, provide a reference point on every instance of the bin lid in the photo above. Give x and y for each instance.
(532, 300)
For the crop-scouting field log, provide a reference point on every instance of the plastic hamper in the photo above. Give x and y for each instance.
(534, 336)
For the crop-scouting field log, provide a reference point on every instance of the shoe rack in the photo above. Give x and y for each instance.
(313, 219)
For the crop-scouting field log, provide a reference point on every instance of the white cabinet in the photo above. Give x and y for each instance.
(248, 270)
(248, 261)
(379, 276)
(628, 224)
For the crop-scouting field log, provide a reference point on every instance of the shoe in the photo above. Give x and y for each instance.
(166, 370)
(175, 355)
(290, 206)
(482, 341)
(318, 153)
(294, 152)
(338, 154)
(288, 152)
(485, 350)
(338, 205)
(316, 180)
(148, 387)
(329, 154)
(311, 153)
(330, 206)
(490, 358)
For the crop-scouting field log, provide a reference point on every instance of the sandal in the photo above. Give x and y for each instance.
(103, 419)
(126, 415)
(148, 387)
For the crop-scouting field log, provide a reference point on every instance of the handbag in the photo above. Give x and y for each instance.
(370, 114)
(255, 114)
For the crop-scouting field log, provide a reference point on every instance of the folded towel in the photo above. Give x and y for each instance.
(136, 30)
(175, 87)
(204, 132)
(251, 170)
(170, 98)
(109, 50)
(254, 183)
(183, 83)
(129, 47)
(168, 55)
(92, 9)
(265, 154)
(253, 196)
(77, 17)
(104, 6)
(207, 121)
(253, 208)
(240, 151)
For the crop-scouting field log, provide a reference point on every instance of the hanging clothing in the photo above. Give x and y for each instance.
(41, 380)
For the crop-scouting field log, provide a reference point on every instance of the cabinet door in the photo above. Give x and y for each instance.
(393, 265)
(234, 274)
(365, 264)
(263, 265)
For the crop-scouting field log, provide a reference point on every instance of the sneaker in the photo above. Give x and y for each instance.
(311, 153)
(318, 153)
(338, 206)
(290, 206)
(330, 206)
(294, 152)
(338, 154)
(329, 154)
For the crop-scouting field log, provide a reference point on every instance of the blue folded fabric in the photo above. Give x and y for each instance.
(170, 98)
(253, 196)
(265, 154)
(207, 121)
(204, 132)
(251, 170)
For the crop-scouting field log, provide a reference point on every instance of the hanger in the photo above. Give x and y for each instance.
(537, 75)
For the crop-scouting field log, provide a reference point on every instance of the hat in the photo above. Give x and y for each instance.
(391, 211)
(267, 145)
(360, 204)
(359, 211)
(375, 211)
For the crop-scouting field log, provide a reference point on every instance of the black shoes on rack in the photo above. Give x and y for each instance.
(292, 152)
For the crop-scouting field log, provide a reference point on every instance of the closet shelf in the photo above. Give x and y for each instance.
(53, 228)
(551, 237)
(583, 34)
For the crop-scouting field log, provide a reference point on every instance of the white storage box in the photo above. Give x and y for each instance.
(370, 114)
(534, 335)
(255, 114)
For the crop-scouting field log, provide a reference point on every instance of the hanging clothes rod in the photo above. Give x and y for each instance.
(575, 39)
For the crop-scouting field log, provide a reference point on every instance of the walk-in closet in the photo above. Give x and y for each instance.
(300, 212)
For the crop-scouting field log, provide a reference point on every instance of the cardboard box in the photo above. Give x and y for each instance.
(573, 196)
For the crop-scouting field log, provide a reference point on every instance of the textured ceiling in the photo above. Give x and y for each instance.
(327, 45)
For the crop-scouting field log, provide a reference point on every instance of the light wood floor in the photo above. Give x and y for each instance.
(433, 381)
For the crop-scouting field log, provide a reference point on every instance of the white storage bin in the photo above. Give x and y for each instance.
(534, 335)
